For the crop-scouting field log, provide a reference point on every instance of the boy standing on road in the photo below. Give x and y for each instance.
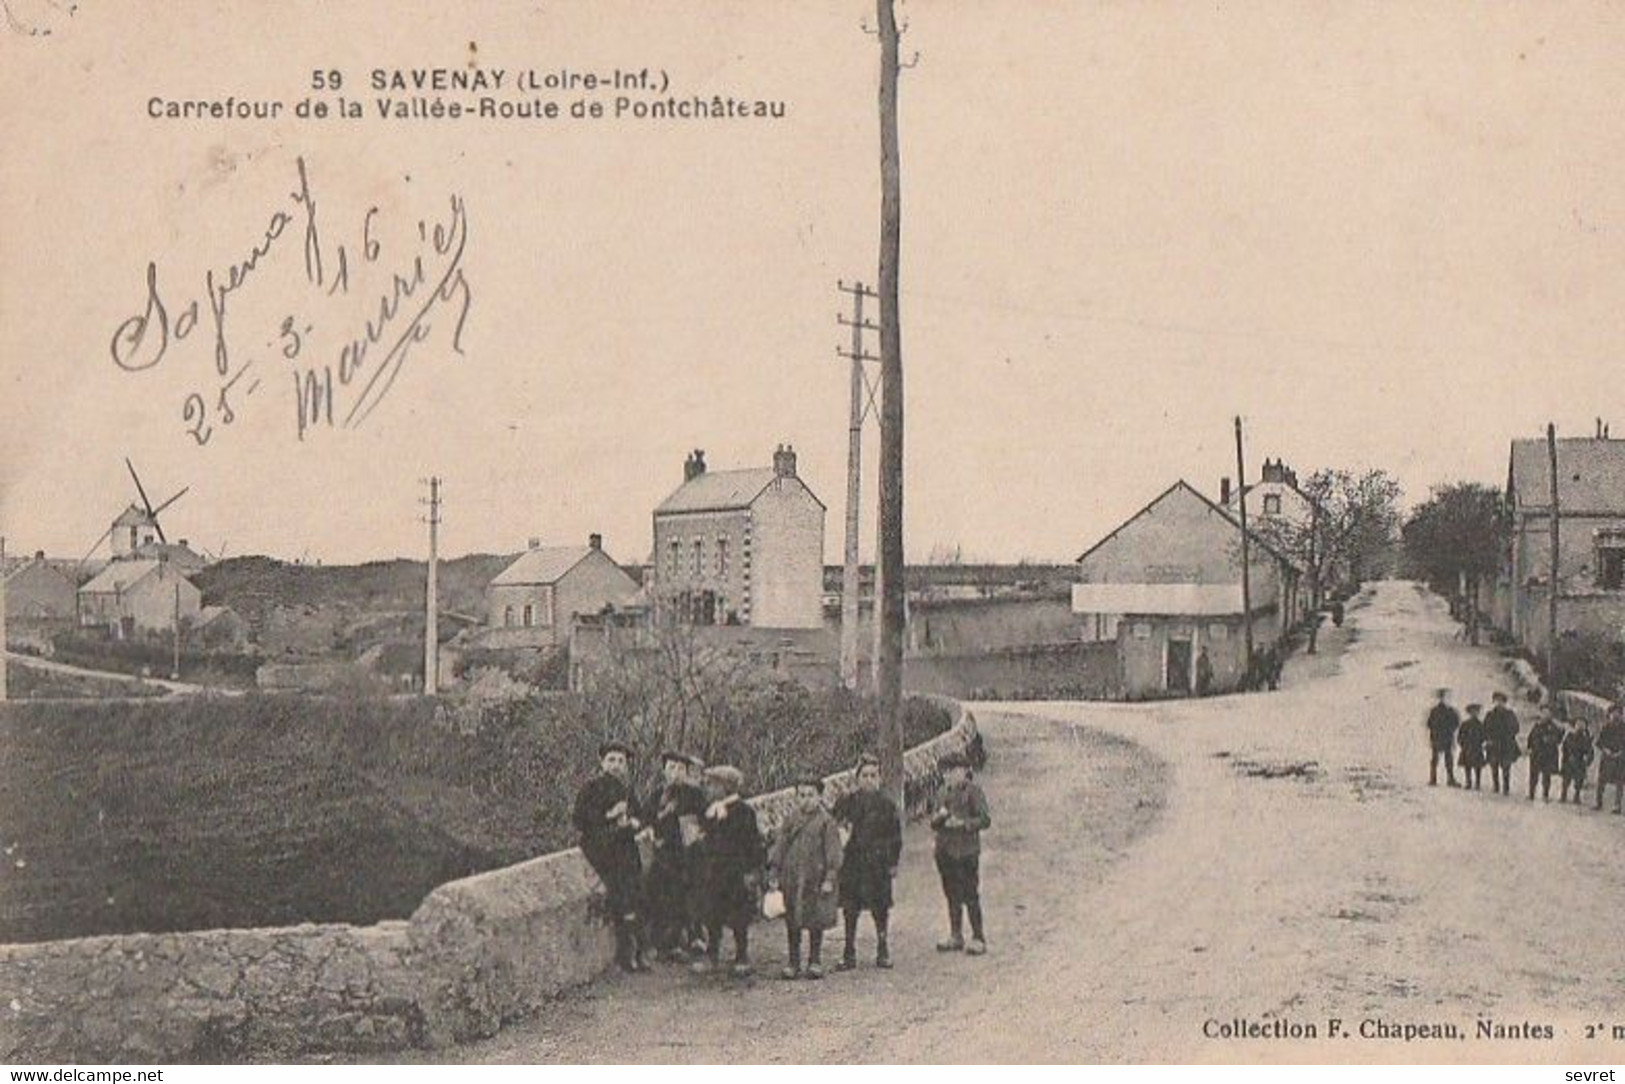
(959, 820)
(1442, 725)
(1611, 757)
(608, 818)
(870, 861)
(1470, 747)
(676, 805)
(1501, 743)
(1577, 753)
(807, 862)
(1545, 739)
(730, 868)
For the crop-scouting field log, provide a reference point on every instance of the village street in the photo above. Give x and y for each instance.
(1153, 868)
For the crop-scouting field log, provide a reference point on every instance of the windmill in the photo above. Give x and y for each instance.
(140, 520)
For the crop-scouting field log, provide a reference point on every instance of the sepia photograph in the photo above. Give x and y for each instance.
(856, 532)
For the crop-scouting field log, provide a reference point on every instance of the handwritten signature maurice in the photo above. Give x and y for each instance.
(428, 284)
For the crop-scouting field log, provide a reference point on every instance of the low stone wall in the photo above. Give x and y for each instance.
(1593, 709)
(477, 953)
(216, 995)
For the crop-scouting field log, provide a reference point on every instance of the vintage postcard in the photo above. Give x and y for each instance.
(856, 531)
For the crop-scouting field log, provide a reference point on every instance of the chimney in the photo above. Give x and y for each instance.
(184, 544)
(1224, 490)
(694, 465)
(535, 543)
(39, 555)
(784, 461)
(595, 541)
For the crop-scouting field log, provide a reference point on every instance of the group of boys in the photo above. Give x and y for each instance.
(1553, 748)
(705, 876)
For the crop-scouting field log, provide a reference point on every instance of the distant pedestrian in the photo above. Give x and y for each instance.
(1470, 748)
(730, 869)
(608, 819)
(675, 810)
(1273, 664)
(807, 862)
(1442, 723)
(960, 818)
(1204, 673)
(1501, 743)
(1578, 750)
(1611, 756)
(1545, 741)
(870, 861)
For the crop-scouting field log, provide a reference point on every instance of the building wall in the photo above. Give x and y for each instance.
(732, 587)
(1143, 650)
(545, 627)
(1583, 605)
(587, 588)
(787, 558)
(39, 592)
(152, 601)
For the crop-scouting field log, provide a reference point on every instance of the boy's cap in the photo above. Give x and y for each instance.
(813, 781)
(1474, 707)
(672, 756)
(608, 747)
(726, 775)
(953, 760)
(866, 760)
(1499, 697)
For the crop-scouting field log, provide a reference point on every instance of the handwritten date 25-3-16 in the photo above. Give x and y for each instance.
(426, 279)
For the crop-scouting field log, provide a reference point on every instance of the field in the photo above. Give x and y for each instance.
(257, 810)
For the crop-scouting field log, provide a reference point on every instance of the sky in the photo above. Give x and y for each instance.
(1385, 235)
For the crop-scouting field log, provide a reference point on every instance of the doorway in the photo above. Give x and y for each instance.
(1179, 667)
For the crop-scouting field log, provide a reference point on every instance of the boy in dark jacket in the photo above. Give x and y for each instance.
(1470, 749)
(1501, 743)
(1545, 740)
(1577, 753)
(806, 863)
(1611, 757)
(608, 819)
(870, 861)
(675, 809)
(960, 818)
(1442, 722)
(730, 868)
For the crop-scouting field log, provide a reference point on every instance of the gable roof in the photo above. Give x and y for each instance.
(1590, 475)
(133, 516)
(718, 491)
(544, 564)
(1252, 536)
(120, 576)
(35, 564)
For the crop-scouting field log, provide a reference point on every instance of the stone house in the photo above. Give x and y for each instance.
(1166, 586)
(39, 592)
(532, 602)
(1591, 541)
(138, 596)
(740, 547)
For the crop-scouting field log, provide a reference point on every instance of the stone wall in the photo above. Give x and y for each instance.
(477, 953)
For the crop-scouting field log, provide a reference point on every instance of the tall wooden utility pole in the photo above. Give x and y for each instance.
(889, 562)
(1315, 557)
(1246, 559)
(1551, 629)
(431, 613)
(851, 571)
(3, 675)
(175, 670)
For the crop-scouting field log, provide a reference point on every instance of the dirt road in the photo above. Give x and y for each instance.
(1160, 871)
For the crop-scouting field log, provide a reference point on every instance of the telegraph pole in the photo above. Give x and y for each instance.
(1551, 617)
(431, 616)
(1246, 567)
(3, 675)
(889, 561)
(175, 670)
(851, 571)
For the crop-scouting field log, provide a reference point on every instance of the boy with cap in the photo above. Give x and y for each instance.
(1442, 723)
(1545, 740)
(806, 863)
(960, 818)
(608, 819)
(1577, 753)
(1501, 743)
(870, 861)
(1611, 756)
(730, 865)
(1470, 749)
(676, 805)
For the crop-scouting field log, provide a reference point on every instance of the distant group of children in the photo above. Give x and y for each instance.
(710, 865)
(1554, 748)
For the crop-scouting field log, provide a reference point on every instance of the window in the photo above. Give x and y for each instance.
(507, 617)
(530, 614)
(1272, 504)
(1142, 630)
(1218, 632)
(699, 557)
(671, 560)
(722, 558)
(1611, 568)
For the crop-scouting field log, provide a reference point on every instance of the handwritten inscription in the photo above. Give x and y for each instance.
(338, 377)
